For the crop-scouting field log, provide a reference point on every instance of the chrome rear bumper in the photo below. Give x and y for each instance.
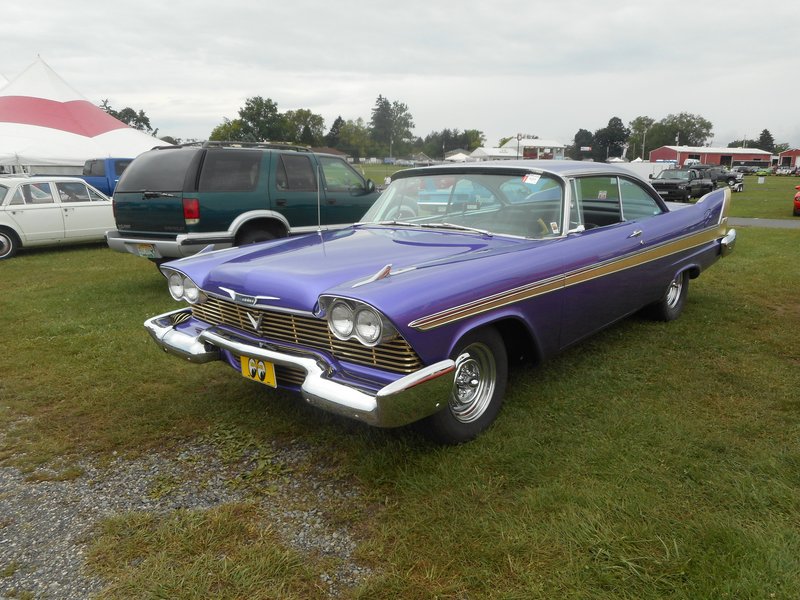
(728, 243)
(403, 401)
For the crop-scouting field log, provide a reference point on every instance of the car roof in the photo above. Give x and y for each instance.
(562, 168)
(17, 178)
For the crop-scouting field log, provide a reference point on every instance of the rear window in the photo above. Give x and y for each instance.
(158, 170)
(120, 166)
(230, 171)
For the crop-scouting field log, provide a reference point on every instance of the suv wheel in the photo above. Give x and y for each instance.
(253, 236)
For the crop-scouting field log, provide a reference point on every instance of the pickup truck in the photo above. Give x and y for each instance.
(722, 176)
(682, 185)
(104, 173)
(174, 201)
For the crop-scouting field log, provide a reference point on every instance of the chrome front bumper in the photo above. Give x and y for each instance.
(408, 399)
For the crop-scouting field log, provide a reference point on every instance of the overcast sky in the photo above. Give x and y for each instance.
(503, 67)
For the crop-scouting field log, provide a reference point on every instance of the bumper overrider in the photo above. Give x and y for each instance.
(408, 399)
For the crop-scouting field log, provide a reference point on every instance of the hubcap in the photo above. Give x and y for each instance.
(674, 291)
(5, 245)
(474, 383)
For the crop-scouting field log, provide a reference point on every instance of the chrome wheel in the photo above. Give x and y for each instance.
(670, 306)
(474, 384)
(476, 395)
(674, 292)
(8, 245)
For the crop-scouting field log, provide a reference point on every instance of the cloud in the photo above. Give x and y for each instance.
(502, 67)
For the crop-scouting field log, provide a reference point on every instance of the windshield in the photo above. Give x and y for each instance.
(672, 174)
(521, 204)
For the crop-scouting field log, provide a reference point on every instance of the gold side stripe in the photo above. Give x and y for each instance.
(539, 288)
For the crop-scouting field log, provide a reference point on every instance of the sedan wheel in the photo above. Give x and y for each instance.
(476, 372)
(478, 388)
(671, 304)
(8, 244)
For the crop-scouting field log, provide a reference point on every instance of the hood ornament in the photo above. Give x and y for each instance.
(246, 299)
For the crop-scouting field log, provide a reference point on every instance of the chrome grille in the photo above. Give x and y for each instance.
(395, 355)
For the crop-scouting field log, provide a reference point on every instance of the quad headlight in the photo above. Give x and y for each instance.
(348, 319)
(183, 288)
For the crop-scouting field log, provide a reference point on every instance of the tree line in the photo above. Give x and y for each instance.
(644, 134)
(389, 132)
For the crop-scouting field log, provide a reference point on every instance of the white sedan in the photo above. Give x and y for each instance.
(45, 211)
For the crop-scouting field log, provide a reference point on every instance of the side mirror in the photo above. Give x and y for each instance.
(370, 186)
(650, 176)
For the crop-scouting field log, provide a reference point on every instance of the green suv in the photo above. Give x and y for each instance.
(174, 201)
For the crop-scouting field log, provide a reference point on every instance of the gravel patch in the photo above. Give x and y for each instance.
(46, 527)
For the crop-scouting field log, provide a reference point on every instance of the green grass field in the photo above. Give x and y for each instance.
(654, 460)
(771, 199)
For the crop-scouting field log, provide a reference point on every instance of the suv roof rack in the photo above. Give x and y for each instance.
(235, 144)
(267, 145)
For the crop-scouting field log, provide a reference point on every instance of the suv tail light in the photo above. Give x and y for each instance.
(191, 211)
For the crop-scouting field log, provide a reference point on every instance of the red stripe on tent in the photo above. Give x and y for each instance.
(80, 117)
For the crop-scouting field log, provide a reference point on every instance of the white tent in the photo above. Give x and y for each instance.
(44, 121)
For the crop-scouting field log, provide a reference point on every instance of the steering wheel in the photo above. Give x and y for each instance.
(398, 213)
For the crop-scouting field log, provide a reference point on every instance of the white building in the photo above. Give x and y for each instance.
(519, 148)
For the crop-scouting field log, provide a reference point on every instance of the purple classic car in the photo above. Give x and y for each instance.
(413, 314)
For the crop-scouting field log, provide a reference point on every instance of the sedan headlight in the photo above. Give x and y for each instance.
(368, 326)
(176, 285)
(341, 320)
(348, 319)
(182, 287)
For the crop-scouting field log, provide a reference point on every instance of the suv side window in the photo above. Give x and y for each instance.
(295, 173)
(95, 168)
(339, 176)
(230, 171)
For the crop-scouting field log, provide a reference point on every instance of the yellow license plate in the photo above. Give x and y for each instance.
(258, 370)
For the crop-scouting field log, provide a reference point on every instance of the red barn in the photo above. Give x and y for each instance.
(789, 158)
(711, 156)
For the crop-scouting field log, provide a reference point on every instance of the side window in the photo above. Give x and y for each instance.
(636, 202)
(230, 171)
(339, 176)
(37, 193)
(94, 168)
(18, 198)
(72, 192)
(295, 173)
(120, 166)
(597, 200)
(95, 197)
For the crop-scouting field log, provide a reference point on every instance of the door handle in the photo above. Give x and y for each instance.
(281, 202)
(635, 234)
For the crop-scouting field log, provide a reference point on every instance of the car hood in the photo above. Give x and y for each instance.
(292, 273)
